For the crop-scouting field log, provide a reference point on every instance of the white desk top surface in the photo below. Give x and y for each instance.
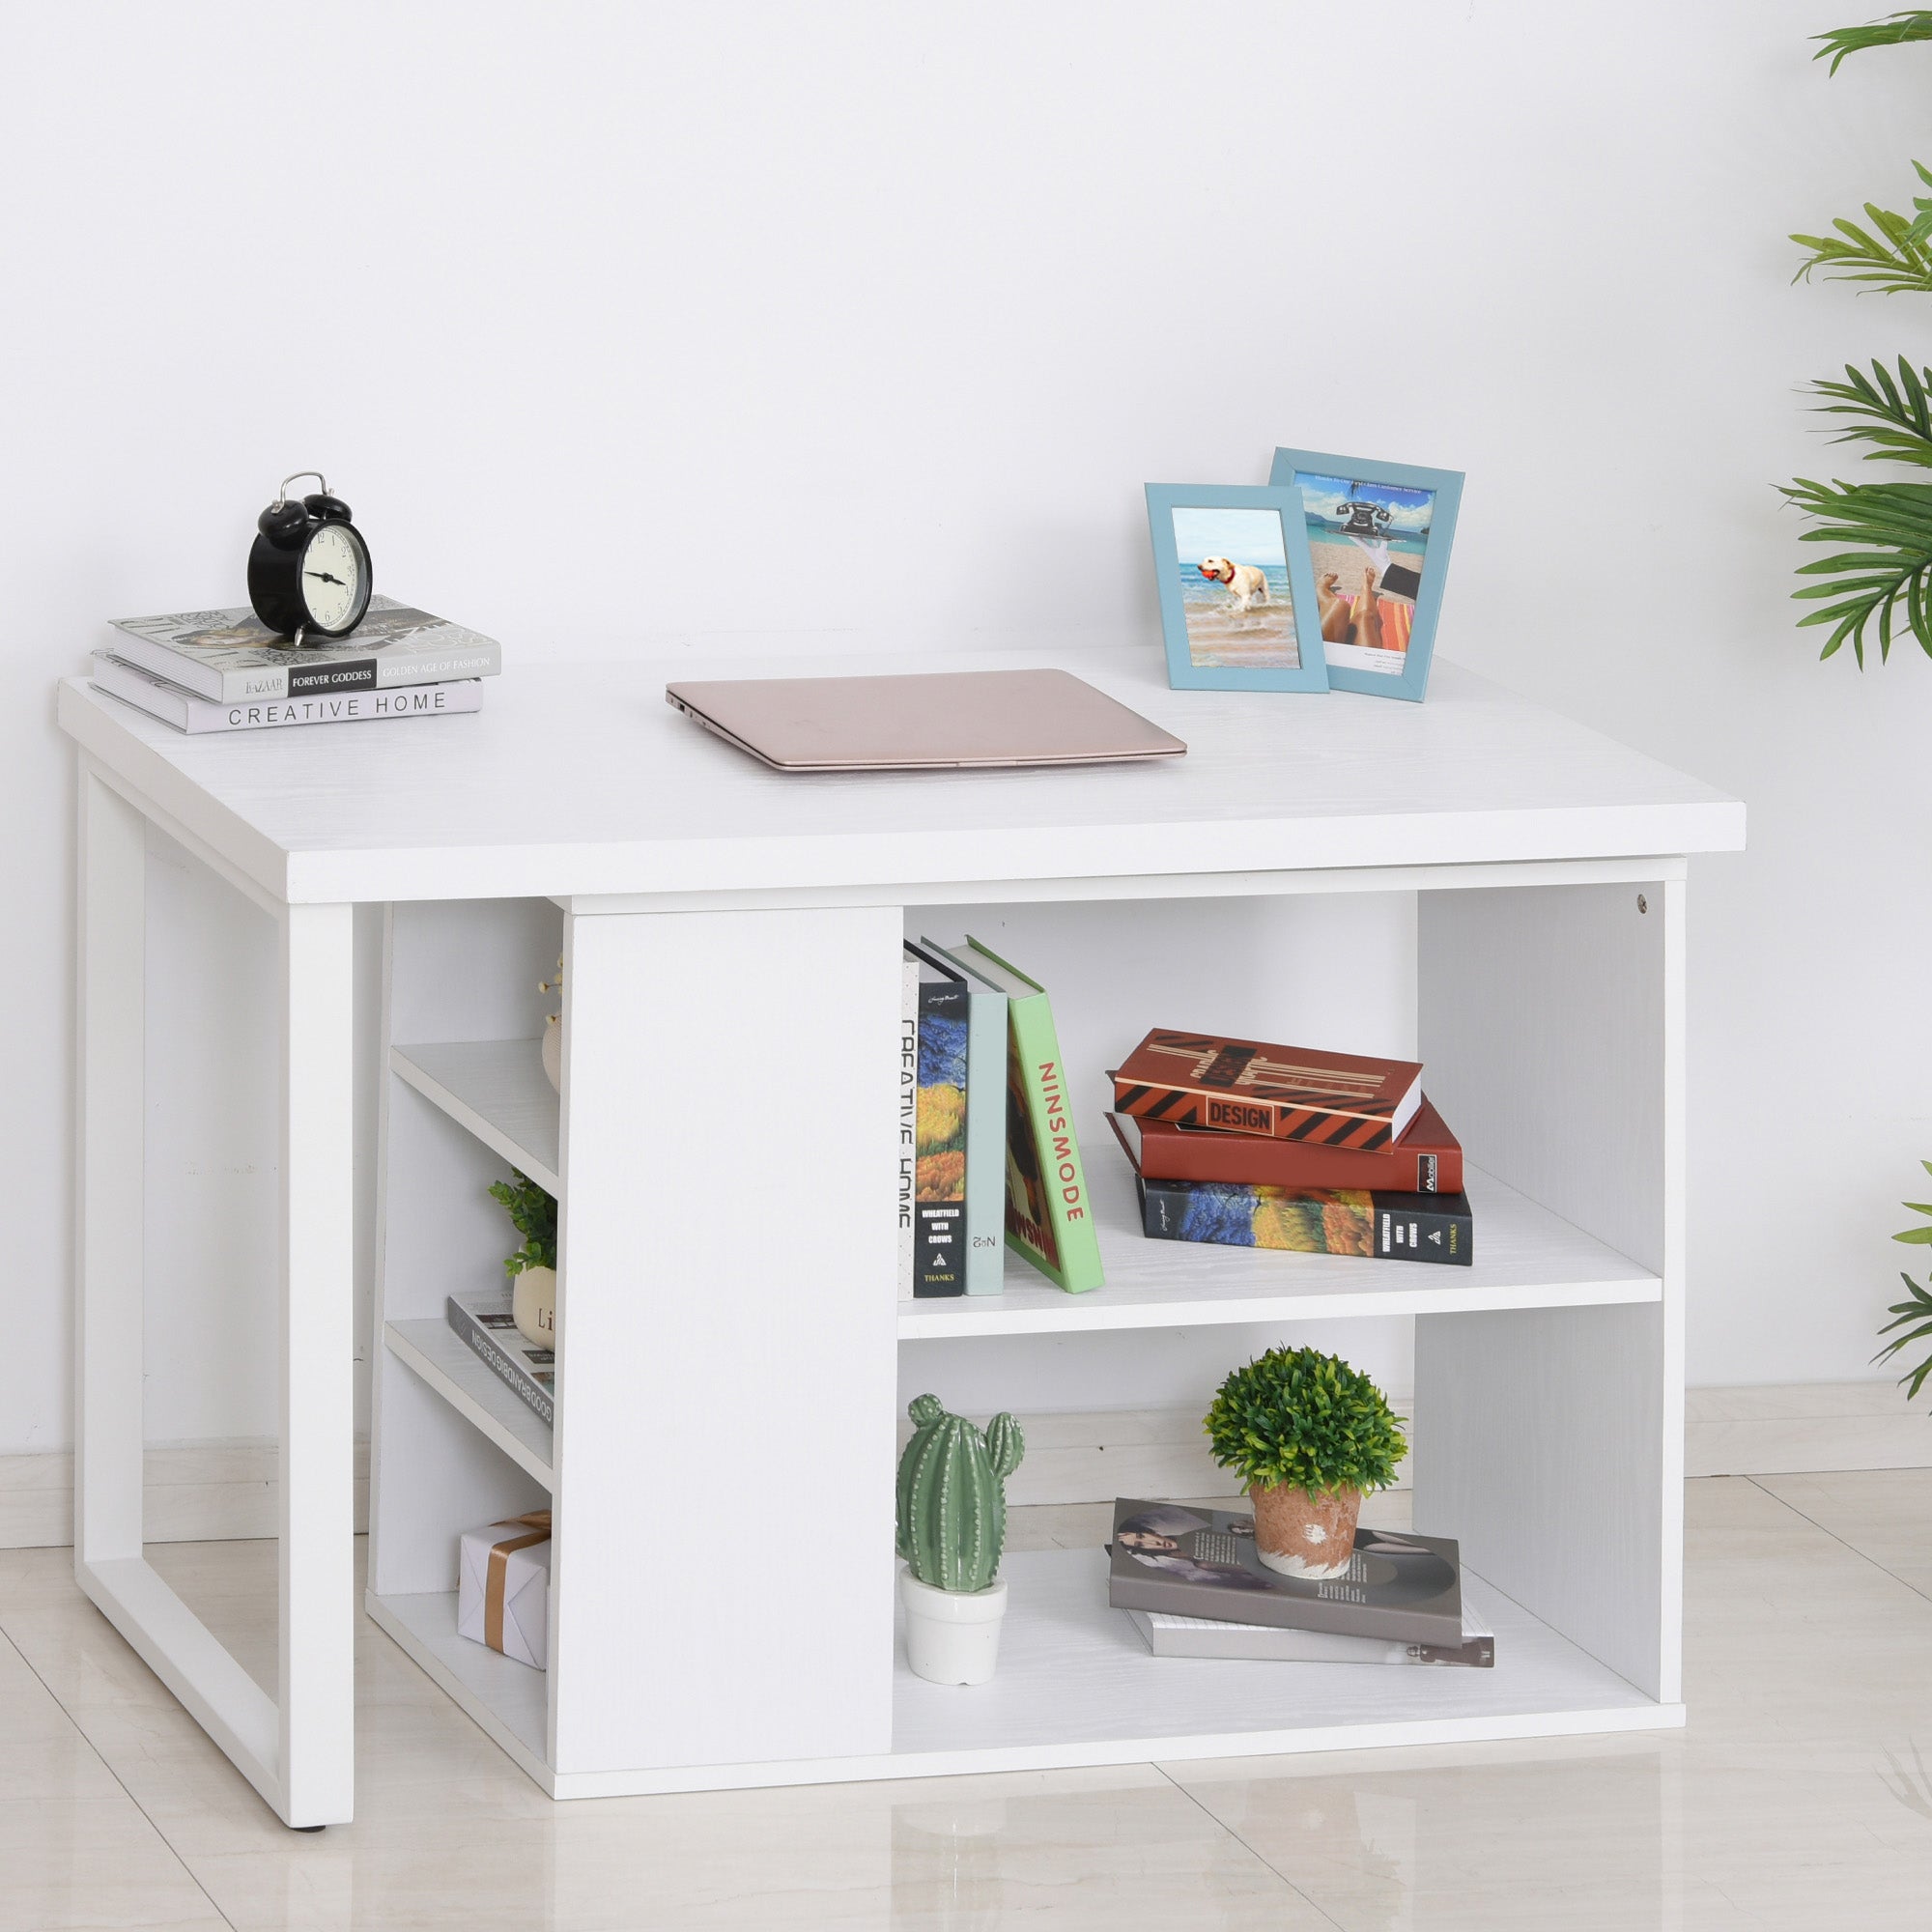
(581, 780)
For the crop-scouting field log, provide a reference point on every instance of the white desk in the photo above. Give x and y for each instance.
(720, 1407)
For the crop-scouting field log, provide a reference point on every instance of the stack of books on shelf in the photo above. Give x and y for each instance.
(987, 1155)
(483, 1319)
(223, 670)
(1191, 1583)
(1285, 1146)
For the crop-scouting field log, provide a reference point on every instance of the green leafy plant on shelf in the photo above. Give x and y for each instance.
(1913, 1315)
(1302, 1420)
(532, 1214)
(1878, 570)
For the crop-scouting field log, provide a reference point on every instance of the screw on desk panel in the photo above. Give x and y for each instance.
(1642, 904)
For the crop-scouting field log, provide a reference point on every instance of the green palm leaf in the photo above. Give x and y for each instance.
(1891, 259)
(1913, 24)
(1915, 1316)
(1895, 416)
(1880, 569)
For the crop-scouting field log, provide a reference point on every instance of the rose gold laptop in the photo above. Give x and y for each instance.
(928, 721)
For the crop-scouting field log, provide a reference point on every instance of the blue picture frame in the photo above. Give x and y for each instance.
(1352, 664)
(1235, 615)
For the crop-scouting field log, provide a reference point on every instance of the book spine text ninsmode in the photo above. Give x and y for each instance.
(1053, 1224)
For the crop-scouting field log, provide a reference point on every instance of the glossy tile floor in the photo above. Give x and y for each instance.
(1800, 1797)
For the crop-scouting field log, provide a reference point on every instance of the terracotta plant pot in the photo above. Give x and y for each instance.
(1302, 1535)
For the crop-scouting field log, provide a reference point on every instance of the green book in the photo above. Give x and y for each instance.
(1049, 1212)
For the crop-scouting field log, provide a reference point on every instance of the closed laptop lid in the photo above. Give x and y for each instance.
(922, 721)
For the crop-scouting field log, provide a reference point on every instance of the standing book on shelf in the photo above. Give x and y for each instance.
(985, 1127)
(939, 1238)
(905, 1103)
(232, 657)
(482, 1317)
(1403, 1588)
(1286, 1093)
(1049, 1214)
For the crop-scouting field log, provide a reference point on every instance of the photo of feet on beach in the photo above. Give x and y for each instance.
(1366, 542)
(1233, 590)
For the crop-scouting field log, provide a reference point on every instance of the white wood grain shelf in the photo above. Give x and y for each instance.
(498, 1090)
(439, 1358)
(1076, 1686)
(1526, 1257)
(509, 1700)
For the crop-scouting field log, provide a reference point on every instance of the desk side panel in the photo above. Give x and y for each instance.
(724, 1438)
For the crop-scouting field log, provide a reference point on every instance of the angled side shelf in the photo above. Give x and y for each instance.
(498, 1090)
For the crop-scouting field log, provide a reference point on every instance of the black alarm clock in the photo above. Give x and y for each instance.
(308, 574)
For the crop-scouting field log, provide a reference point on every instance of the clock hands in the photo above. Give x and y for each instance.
(328, 577)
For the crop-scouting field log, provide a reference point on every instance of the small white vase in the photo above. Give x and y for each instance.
(952, 1636)
(553, 1052)
(533, 1305)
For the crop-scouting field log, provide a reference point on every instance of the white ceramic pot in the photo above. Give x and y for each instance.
(533, 1305)
(553, 1052)
(952, 1636)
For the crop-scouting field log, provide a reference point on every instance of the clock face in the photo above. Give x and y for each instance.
(334, 579)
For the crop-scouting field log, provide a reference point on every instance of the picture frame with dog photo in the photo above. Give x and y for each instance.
(1378, 541)
(1237, 606)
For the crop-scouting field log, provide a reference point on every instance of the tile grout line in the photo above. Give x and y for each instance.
(1864, 1557)
(94, 1750)
(1267, 1863)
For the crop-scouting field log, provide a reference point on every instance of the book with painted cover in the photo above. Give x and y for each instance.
(1284, 1092)
(1169, 1636)
(985, 1128)
(482, 1317)
(939, 1204)
(1427, 1159)
(905, 1116)
(175, 705)
(1402, 1588)
(232, 657)
(1049, 1217)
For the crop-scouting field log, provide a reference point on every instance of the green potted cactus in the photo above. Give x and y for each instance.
(1308, 1436)
(952, 1526)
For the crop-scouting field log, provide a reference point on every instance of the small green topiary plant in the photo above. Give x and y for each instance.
(533, 1215)
(1303, 1420)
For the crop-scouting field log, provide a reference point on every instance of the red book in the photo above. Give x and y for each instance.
(1284, 1092)
(1427, 1159)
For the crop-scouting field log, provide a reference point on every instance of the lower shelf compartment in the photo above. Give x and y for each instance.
(1076, 1686)
(509, 1700)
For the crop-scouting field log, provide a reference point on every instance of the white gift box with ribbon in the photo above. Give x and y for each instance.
(502, 1588)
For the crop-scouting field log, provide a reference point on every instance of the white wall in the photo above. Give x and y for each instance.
(682, 327)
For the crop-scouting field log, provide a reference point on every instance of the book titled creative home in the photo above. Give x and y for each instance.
(175, 705)
(939, 1202)
(1285, 1092)
(1202, 1563)
(1049, 1212)
(1427, 1159)
(231, 656)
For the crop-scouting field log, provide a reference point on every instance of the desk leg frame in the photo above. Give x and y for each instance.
(298, 1749)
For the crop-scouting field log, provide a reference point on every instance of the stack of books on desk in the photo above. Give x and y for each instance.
(1284, 1147)
(223, 670)
(1191, 1583)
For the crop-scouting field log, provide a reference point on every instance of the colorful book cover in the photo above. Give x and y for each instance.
(1286, 1093)
(1202, 1563)
(986, 1129)
(1311, 1221)
(945, 1011)
(1049, 1214)
(1427, 1159)
(905, 1102)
